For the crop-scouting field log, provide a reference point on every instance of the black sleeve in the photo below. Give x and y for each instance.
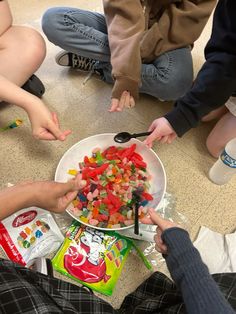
(200, 292)
(216, 81)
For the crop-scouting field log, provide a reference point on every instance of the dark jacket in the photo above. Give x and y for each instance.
(200, 293)
(216, 81)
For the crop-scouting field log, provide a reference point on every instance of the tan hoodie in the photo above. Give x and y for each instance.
(140, 31)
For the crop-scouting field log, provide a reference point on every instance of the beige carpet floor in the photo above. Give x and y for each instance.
(84, 110)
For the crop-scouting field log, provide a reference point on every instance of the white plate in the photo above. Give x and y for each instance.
(76, 154)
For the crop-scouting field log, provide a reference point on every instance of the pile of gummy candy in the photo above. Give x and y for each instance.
(113, 176)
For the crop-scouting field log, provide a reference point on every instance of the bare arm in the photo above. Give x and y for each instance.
(45, 125)
(11, 93)
(15, 198)
(49, 195)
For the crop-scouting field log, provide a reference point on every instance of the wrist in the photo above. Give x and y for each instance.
(175, 236)
(178, 243)
(178, 121)
(28, 192)
(168, 124)
(124, 83)
(36, 194)
(31, 104)
(12, 93)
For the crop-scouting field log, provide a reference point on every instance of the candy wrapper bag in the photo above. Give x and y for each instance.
(28, 234)
(92, 257)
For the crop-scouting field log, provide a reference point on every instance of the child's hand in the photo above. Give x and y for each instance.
(162, 225)
(45, 125)
(126, 101)
(49, 195)
(161, 131)
(55, 196)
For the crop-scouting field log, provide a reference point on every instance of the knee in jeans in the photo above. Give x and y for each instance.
(177, 86)
(58, 21)
(51, 20)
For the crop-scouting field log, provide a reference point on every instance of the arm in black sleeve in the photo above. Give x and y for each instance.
(216, 81)
(200, 292)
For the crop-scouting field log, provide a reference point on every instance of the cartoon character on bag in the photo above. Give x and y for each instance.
(84, 259)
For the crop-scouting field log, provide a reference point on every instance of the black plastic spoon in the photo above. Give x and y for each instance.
(124, 137)
(136, 200)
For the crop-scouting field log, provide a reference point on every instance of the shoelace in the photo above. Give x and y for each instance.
(82, 63)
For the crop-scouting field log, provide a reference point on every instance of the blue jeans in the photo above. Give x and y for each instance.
(82, 32)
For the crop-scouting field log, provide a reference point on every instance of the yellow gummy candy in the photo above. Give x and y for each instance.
(18, 122)
(73, 172)
(83, 219)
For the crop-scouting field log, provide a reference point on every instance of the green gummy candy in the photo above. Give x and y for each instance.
(104, 212)
(26, 244)
(85, 212)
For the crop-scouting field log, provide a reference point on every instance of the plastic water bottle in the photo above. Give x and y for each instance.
(225, 167)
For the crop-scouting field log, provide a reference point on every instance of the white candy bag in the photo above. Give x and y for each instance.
(28, 234)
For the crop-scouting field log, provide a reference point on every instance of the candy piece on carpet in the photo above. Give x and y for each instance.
(12, 125)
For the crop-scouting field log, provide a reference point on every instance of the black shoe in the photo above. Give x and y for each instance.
(75, 61)
(34, 86)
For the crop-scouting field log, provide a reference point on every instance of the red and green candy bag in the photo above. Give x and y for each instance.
(92, 257)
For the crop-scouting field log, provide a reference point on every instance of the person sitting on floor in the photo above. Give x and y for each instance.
(213, 92)
(22, 50)
(139, 46)
(193, 291)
